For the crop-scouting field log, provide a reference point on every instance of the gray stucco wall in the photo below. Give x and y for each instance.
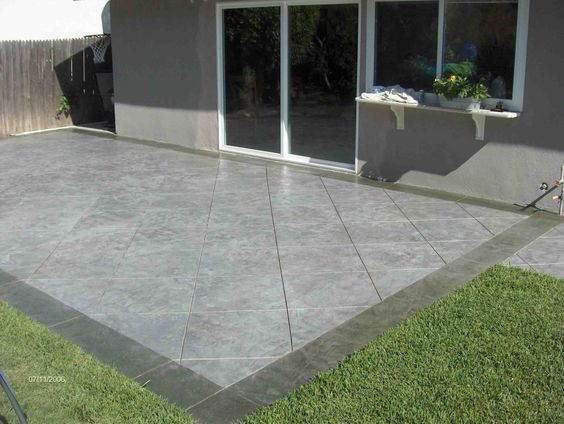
(438, 150)
(165, 71)
(166, 90)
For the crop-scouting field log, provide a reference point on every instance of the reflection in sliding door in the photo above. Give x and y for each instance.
(323, 81)
(252, 78)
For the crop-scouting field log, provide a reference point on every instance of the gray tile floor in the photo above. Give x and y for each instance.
(220, 265)
(546, 254)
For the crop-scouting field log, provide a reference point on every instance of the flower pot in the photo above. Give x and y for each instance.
(467, 103)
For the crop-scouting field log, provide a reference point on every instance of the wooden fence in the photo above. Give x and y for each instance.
(33, 77)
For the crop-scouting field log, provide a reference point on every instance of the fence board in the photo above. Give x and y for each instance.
(33, 77)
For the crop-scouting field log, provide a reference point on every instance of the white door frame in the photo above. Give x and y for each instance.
(284, 80)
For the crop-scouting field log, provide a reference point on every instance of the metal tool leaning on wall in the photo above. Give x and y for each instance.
(12, 398)
(547, 189)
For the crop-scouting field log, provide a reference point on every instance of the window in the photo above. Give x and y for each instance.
(406, 43)
(415, 41)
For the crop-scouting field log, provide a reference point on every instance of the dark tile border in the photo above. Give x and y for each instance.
(156, 372)
(297, 368)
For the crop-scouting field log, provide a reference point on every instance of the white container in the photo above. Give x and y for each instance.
(468, 103)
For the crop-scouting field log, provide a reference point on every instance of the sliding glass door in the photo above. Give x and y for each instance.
(252, 78)
(288, 80)
(323, 50)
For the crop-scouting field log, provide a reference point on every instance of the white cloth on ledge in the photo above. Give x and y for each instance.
(395, 94)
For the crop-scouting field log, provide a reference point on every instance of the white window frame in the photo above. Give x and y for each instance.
(285, 140)
(515, 104)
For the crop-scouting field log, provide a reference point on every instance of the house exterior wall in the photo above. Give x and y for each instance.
(165, 71)
(52, 19)
(166, 90)
(438, 149)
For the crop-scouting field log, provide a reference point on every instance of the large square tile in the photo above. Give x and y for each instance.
(162, 333)
(444, 210)
(452, 250)
(257, 201)
(323, 258)
(224, 260)
(498, 225)
(405, 197)
(309, 324)
(243, 334)
(288, 199)
(516, 261)
(160, 261)
(399, 256)
(485, 212)
(358, 195)
(291, 183)
(238, 184)
(176, 218)
(306, 214)
(121, 201)
(147, 295)
(113, 218)
(22, 252)
(199, 202)
(314, 234)
(240, 216)
(544, 251)
(327, 290)
(389, 282)
(82, 295)
(241, 236)
(87, 254)
(225, 372)
(452, 229)
(56, 213)
(156, 238)
(368, 213)
(383, 232)
(556, 270)
(235, 293)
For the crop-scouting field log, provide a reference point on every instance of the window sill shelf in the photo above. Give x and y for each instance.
(478, 116)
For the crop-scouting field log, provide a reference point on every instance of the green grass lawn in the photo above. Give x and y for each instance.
(92, 392)
(491, 352)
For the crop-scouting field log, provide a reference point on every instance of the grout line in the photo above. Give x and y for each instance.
(232, 358)
(312, 308)
(153, 369)
(351, 240)
(279, 263)
(48, 256)
(526, 262)
(93, 315)
(470, 217)
(118, 265)
(419, 231)
(78, 316)
(89, 209)
(184, 338)
(532, 265)
(480, 222)
(220, 391)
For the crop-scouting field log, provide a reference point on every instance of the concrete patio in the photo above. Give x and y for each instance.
(220, 264)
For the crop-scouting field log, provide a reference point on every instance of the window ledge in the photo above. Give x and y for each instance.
(479, 116)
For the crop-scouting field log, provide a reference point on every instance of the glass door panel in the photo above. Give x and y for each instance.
(323, 48)
(251, 64)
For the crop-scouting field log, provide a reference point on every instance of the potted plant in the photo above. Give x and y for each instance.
(458, 91)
